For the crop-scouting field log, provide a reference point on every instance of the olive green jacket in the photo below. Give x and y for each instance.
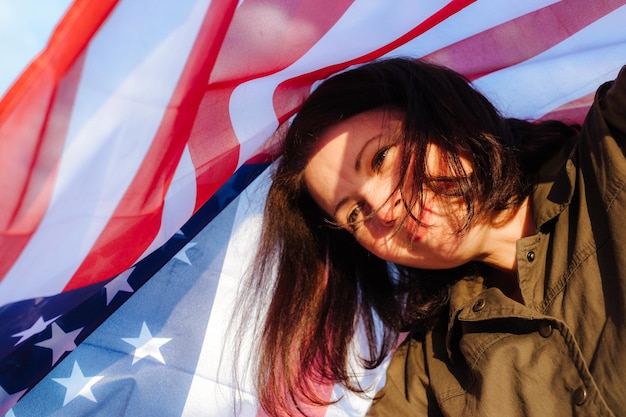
(562, 352)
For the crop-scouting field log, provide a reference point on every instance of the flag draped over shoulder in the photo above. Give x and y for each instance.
(127, 145)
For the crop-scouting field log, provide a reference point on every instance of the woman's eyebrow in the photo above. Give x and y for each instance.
(338, 206)
(357, 162)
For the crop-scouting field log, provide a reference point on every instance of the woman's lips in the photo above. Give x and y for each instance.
(417, 228)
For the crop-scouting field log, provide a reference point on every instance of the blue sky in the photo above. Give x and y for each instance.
(25, 26)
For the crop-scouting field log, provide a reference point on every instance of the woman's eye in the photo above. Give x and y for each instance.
(353, 216)
(447, 187)
(379, 158)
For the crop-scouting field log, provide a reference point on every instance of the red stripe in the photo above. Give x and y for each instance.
(267, 36)
(137, 219)
(572, 112)
(34, 115)
(250, 51)
(522, 38)
(291, 93)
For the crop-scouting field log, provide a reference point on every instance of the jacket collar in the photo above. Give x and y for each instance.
(555, 185)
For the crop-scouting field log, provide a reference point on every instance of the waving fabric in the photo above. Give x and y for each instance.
(127, 145)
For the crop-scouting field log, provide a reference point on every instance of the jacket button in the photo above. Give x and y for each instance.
(530, 255)
(545, 329)
(478, 305)
(580, 395)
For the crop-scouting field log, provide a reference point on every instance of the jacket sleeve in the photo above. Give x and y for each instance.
(613, 107)
(406, 392)
(602, 150)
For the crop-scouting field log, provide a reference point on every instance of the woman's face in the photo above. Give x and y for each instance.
(353, 175)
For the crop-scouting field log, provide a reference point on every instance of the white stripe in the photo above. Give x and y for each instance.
(366, 26)
(349, 403)
(473, 19)
(568, 71)
(210, 381)
(213, 377)
(179, 203)
(131, 70)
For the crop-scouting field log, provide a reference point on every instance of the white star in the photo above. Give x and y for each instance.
(78, 385)
(39, 326)
(60, 342)
(147, 345)
(119, 284)
(9, 400)
(182, 254)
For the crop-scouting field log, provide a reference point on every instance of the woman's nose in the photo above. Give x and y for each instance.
(389, 211)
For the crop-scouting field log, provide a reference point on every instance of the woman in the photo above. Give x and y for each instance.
(505, 239)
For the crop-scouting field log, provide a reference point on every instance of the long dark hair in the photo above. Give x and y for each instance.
(314, 283)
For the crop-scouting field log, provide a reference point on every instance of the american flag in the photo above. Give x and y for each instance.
(127, 143)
